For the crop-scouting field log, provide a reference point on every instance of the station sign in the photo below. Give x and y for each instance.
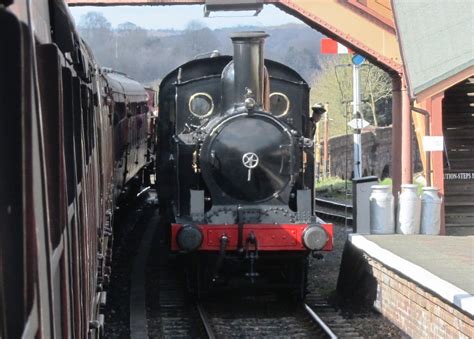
(459, 176)
(433, 143)
(358, 123)
(330, 46)
(358, 59)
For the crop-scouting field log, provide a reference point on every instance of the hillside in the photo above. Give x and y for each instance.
(148, 55)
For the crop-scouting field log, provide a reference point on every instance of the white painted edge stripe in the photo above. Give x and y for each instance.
(446, 290)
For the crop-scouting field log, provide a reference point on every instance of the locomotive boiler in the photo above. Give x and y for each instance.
(235, 169)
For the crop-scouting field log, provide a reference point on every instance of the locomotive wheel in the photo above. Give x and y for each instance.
(200, 274)
(304, 279)
(146, 176)
(198, 277)
(298, 277)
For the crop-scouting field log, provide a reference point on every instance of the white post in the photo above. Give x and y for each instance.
(356, 115)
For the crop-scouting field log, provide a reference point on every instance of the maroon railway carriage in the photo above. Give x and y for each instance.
(153, 108)
(152, 100)
(70, 135)
(128, 100)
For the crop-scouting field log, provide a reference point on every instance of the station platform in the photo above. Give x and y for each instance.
(424, 284)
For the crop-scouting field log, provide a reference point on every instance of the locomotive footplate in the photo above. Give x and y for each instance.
(270, 237)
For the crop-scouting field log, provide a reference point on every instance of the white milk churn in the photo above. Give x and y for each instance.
(409, 210)
(430, 211)
(381, 210)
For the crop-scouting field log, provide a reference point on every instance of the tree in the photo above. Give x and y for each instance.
(98, 33)
(302, 59)
(198, 39)
(147, 55)
(333, 84)
(195, 25)
(94, 21)
(378, 90)
(131, 47)
(127, 27)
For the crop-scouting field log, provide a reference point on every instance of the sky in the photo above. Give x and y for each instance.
(178, 17)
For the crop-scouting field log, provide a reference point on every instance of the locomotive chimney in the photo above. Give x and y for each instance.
(245, 76)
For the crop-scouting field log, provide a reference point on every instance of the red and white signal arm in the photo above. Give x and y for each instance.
(330, 46)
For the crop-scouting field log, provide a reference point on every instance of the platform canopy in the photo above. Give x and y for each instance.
(364, 26)
(437, 43)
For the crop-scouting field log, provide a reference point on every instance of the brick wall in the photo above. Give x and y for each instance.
(416, 311)
(376, 153)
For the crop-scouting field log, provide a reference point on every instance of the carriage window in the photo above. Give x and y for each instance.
(279, 104)
(201, 105)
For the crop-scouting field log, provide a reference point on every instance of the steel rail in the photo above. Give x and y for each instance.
(335, 208)
(333, 216)
(205, 321)
(320, 322)
(333, 204)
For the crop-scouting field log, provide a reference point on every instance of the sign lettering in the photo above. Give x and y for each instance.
(459, 176)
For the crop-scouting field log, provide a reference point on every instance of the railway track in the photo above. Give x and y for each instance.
(174, 313)
(169, 311)
(164, 309)
(177, 314)
(275, 319)
(331, 210)
(332, 318)
(250, 318)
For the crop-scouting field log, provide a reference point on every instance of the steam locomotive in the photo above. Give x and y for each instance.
(73, 137)
(235, 169)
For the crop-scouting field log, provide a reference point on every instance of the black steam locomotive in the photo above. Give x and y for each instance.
(235, 168)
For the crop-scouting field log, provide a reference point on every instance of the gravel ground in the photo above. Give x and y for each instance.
(129, 226)
(322, 278)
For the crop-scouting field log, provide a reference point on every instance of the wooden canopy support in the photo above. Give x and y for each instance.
(434, 105)
(406, 144)
(396, 163)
